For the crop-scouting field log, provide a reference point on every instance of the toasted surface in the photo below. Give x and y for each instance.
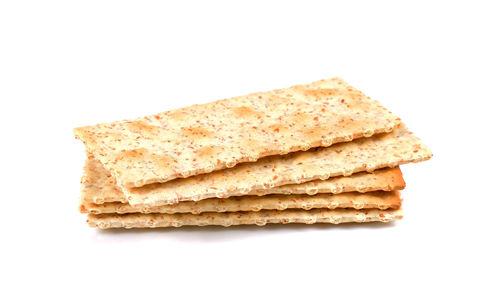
(366, 154)
(98, 186)
(204, 138)
(379, 200)
(263, 217)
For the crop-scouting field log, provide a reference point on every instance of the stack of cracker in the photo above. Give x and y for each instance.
(316, 153)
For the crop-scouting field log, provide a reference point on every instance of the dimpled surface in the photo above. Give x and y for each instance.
(204, 138)
(98, 186)
(367, 154)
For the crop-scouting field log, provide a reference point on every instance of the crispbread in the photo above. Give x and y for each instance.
(263, 217)
(208, 137)
(387, 179)
(368, 154)
(379, 200)
(98, 186)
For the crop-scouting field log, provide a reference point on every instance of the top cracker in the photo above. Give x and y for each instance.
(203, 138)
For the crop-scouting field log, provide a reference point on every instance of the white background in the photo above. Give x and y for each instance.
(65, 64)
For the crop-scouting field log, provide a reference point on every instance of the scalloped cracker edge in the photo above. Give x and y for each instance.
(367, 154)
(379, 200)
(204, 138)
(335, 216)
(98, 186)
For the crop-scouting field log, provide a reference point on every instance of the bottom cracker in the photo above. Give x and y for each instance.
(334, 216)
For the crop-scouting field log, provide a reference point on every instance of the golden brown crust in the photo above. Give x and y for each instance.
(209, 137)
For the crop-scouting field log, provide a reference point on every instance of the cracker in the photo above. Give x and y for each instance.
(379, 200)
(334, 216)
(98, 186)
(204, 138)
(387, 179)
(367, 154)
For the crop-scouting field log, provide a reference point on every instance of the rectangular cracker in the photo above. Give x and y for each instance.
(367, 154)
(263, 217)
(98, 186)
(204, 138)
(379, 200)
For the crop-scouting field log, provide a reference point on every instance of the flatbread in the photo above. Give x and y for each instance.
(379, 200)
(368, 154)
(98, 186)
(204, 138)
(334, 216)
